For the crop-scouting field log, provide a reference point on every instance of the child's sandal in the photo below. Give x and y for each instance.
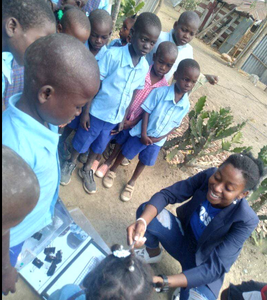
(127, 193)
(108, 180)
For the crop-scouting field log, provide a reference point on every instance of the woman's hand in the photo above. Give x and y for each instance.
(136, 232)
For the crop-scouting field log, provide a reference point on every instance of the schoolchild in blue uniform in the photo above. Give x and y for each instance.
(164, 110)
(209, 231)
(101, 28)
(122, 70)
(30, 123)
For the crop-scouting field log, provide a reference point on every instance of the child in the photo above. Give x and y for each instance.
(164, 58)
(181, 35)
(123, 70)
(76, 3)
(97, 4)
(29, 123)
(164, 110)
(20, 194)
(74, 22)
(124, 33)
(119, 276)
(19, 31)
(101, 28)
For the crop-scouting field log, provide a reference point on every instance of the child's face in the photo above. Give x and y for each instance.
(78, 32)
(125, 29)
(186, 80)
(184, 33)
(143, 42)
(62, 105)
(19, 40)
(100, 34)
(77, 3)
(163, 63)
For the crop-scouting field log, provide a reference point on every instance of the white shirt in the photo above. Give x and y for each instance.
(184, 51)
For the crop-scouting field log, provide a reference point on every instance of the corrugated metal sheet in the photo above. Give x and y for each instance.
(257, 61)
(256, 9)
(150, 5)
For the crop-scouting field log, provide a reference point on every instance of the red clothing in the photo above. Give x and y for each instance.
(141, 95)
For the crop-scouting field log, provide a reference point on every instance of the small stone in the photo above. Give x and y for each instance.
(245, 271)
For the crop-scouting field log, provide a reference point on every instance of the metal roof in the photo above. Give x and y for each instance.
(250, 8)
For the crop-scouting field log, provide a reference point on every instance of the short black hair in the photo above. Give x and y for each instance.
(187, 63)
(146, 20)
(100, 16)
(112, 279)
(188, 17)
(29, 13)
(167, 48)
(75, 16)
(251, 168)
(63, 59)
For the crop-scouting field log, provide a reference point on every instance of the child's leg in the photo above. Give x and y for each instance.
(114, 154)
(137, 172)
(91, 158)
(67, 131)
(117, 162)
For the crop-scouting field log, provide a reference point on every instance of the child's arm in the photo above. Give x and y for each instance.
(121, 125)
(144, 138)
(155, 140)
(9, 273)
(130, 124)
(85, 118)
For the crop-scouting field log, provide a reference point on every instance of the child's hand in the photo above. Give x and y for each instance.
(154, 140)
(118, 130)
(128, 124)
(85, 121)
(146, 140)
(136, 232)
(212, 79)
(63, 125)
(9, 279)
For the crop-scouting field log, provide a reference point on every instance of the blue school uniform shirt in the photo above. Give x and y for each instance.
(202, 217)
(184, 51)
(115, 43)
(37, 145)
(119, 80)
(101, 52)
(165, 114)
(7, 59)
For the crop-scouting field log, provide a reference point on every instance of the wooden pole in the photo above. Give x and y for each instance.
(203, 32)
(223, 30)
(115, 11)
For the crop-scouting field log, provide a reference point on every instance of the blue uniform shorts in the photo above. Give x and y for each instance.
(74, 124)
(122, 137)
(97, 137)
(147, 154)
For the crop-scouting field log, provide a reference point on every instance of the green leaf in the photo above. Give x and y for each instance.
(191, 114)
(139, 6)
(171, 155)
(263, 154)
(224, 111)
(193, 128)
(212, 120)
(241, 149)
(237, 138)
(226, 145)
(204, 115)
(200, 104)
(199, 126)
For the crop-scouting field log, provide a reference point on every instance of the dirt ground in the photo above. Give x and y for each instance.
(110, 216)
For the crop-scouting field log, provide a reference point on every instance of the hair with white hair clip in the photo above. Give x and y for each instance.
(119, 252)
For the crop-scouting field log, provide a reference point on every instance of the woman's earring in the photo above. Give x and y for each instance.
(235, 201)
